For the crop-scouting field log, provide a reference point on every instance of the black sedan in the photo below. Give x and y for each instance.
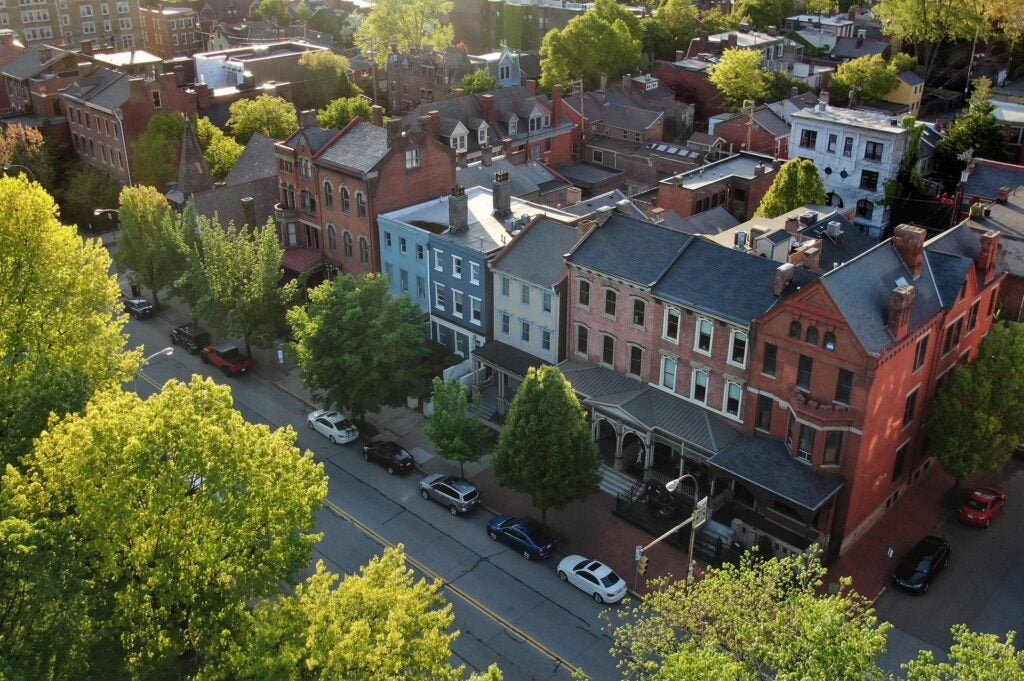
(919, 567)
(140, 308)
(389, 455)
(523, 535)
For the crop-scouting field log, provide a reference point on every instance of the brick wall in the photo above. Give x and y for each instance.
(734, 132)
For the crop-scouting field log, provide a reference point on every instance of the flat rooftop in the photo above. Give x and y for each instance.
(853, 117)
(740, 165)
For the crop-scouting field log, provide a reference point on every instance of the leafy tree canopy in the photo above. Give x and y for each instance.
(973, 655)
(155, 152)
(24, 146)
(455, 425)
(586, 48)
(717, 21)
(88, 188)
(340, 112)
(406, 24)
(796, 184)
(927, 24)
(275, 11)
(271, 116)
(546, 448)
(870, 77)
(764, 13)
(144, 246)
(478, 81)
(679, 19)
(358, 348)
(329, 72)
(977, 129)
(738, 76)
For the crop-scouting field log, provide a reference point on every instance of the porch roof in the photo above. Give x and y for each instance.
(506, 357)
(766, 463)
(651, 408)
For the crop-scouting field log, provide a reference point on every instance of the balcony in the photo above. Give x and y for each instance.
(283, 214)
(827, 413)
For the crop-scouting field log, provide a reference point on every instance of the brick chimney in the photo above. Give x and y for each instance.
(377, 117)
(604, 81)
(501, 194)
(487, 108)
(531, 86)
(556, 106)
(202, 96)
(1002, 194)
(307, 118)
(485, 155)
(783, 275)
(898, 319)
(458, 209)
(793, 224)
(732, 39)
(909, 242)
(6, 37)
(985, 262)
(460, 158)
(249, 211)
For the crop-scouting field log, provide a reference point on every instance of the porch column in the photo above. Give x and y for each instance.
(648, 455)
(618, 448)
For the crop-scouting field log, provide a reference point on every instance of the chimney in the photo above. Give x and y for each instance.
(85, 68)
(604, 82)
(6, 37)
(985, 262)
(394, 128)
(457, 92)
(506, 147)
(602, 214)
(531, 86)
(759, 169)
(485, 155)
(772, 31)
(573, 195)
(627, 85)
(898, 319)
(783, 275)
(458, 209)
(793, 224)
(501, 194)
(823, 100)
(249, 211)
(487, 108)
(377, 117)
(85, 47)
(680, 55)
(585, 228)
(556, 106)
(657, 215)
(179, 74)
(202, 96)
(860, 38)
(460, 158)
(624, 207)
(307, 118)
(794, 91)
(732, 39)
(909, 242)
(1002, 194)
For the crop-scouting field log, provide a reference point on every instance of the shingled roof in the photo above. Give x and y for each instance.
(360, 147)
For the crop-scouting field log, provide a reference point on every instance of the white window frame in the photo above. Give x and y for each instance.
(545, 339)
(739, 399)
(697, 334)
(412, 158)
(474, 272)
(475, 311)
(458, 306)
(693, 384)
(546, 301)
(439, 297)
(732, 345)
(457, 266)
(669, 310)
(506, 324)
(438, 260)
(665, 360)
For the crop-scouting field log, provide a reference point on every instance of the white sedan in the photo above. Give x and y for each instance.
(334, 426)
(592, 577)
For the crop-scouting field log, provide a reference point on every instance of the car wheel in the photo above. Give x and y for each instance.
(425, 494)
(333, 440)
(227, 372)
(562, 576)
(206, 360)
(493, 535)
(598, 599)
(527, 556)
(309, 424)
(453, 510)
(173, 340)
(391, 470)
(366, 456)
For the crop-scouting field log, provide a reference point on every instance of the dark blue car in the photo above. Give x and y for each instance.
(525, 536)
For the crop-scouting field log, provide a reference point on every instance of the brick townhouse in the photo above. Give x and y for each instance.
(738, 183)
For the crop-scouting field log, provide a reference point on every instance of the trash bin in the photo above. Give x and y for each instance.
(136, 292)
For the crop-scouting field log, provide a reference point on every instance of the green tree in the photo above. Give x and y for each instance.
(155, 153)
(977, 129)
(357, 347)
(717, 21)
(405, 24)
(870, 77)
(546, 448)
(221, 152)
(61, 338)
(679, 19)
(340, 112)
(144, 246)
(238, 277)
(927, 24)
(275, 11)
(378, 624)
(182, 520)
(455, 425)
(24, 146)
(87, 189)
(973, 655)
(271, 116)
(329, 75)
(796, 184)
(587, 47)
(478, 81)
(758, 617)
(764, 13)
(738, 76)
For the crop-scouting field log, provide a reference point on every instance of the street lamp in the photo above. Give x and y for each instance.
(169, 350)
(28, 171)
(697, 518)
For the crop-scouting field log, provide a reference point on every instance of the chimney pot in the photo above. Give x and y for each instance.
(909, 243)
(501, 194)
(1002, 194)
(783, 275)
(458, 209)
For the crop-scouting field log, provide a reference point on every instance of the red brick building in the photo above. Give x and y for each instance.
(738, 183)
(10, 49)
(766, 132)
(171, 32)
(688, 78)
(334, 184)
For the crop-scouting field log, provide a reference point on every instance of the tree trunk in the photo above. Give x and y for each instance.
(248, 350)
(544, 517)
(156, 298)
(462, 470)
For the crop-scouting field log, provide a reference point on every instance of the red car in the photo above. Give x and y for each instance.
(227, 357)
(982, 506)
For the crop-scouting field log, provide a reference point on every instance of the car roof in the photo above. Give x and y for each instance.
(986, 493)
(138, 300)
(460, 484)
(225, 347)
(930, 543)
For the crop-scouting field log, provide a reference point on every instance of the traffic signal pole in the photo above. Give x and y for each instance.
(696, 519)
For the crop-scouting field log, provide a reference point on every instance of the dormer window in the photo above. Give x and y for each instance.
(504, 72)
(458, 142)
(513, 126)
(535, 123)
(482, 134)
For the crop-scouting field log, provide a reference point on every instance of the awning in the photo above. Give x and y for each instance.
(301, 260)
(502, 356)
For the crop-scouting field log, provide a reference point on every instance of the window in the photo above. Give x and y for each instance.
(608, 350)
(803, 374)
(795, 329)
(901, 459)
(458, 142)
(704, 330)
(438, 260)
(581, 340)
(347, 239)
(439, 297)
(361, 204)
(364, 250)
(868, 180)
(832, 139)
(524, 294)
(328, 195)
(403, 281)
(805, 448)
(419, 252)
(920, 353)
(639, 312)
(733, 392)
(545, 339)
(609, 302)
(524, 332)
(412, 158)
(457, 267)
(738, 352)
(504, 72)
(848, 147)
(873, 151)
(584, 294)
(812, 335)
(952, 338)
(865, 209)
(387, 239)
(481, 135)
(972, 317)
(156, 99)
(332, 237)
(808, 139)
(700, 385)
(830, 341)
(671, 331)
(844, 386)
(474, 273)
(771, 352)
(668, 373)
(504, 287)
(909, 408)
(474, 310)
(506, 322)
(833, 444)
(457, 303)
(598, 155)
(765, 407)
(636, 360)
(343, 192)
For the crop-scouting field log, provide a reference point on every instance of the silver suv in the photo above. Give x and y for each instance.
(455, 493)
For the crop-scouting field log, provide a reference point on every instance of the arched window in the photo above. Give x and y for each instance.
(328, 195)
(347, 238)
(830, 341)
(344, 199)
(794, 329)
(364, 250)
(812, 335)
(332, 237)
(865, 209)
(361, 204)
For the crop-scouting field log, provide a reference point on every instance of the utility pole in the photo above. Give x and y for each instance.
(748, 108)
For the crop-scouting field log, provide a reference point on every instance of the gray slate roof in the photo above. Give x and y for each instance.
(226, 201)
(629, 249)
(765, 463)
(1007, 218)
(537, 255)
(847, 48)
(507, 357)
(524, 178)
(613, 113)
(608, 199)
(648, 407)
(256, 162)
(713, 221)
(911, 78)
(586, 175)
(315, 137)
(988, 176)
(29, 64)
(102, 87)
(360, 149)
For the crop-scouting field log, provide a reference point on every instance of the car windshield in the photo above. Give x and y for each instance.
(232, 355)
(342, 423)
(470, 495)
(580, 565)
(976, 504)
(610, 579)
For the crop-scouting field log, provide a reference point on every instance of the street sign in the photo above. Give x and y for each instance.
(639, 552)
(700, 513)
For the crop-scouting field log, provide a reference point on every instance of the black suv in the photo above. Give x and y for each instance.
(140, 308)
(190, 337)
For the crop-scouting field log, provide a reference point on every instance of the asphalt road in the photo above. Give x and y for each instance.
(510, 611)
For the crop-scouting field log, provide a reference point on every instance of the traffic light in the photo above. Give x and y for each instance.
(642, 567)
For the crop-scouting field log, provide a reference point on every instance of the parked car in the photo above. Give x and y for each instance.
(592, 577)
(919, 567)
(334, 426)
(388, 454)
(522, 534)
(455, 493)
(228, 357)
(190, 337)
(140, 308)
(982, 506)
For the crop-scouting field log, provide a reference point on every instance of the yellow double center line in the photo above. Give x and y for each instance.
(544, 650)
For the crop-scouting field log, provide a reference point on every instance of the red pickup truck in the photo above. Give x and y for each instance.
(228, 358)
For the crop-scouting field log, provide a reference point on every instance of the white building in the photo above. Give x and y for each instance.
(856, 152)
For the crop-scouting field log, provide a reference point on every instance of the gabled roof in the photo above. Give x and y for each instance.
(360, 147)
(609, 199)
(537, 255)
(713, 221)
(629, 249)
(31, 62)
(102, 87)
(256, 162)
(612, 113)
(314, 136)
(911, 78)
(986, 177)
(226, 201)
(849, 47)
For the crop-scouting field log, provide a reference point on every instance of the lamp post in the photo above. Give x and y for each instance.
(26, 169)
(696, 519)
(169, 350)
